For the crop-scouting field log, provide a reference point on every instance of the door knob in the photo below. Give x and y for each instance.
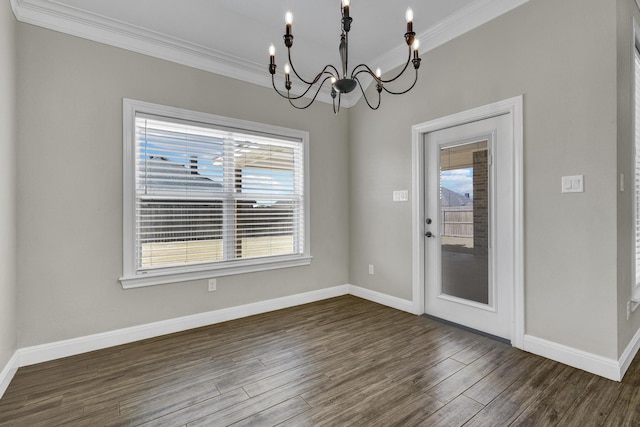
(429, 234)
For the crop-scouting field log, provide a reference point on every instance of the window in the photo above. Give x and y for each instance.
(208, 196)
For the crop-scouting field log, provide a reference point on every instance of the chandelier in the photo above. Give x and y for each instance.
(341, 83)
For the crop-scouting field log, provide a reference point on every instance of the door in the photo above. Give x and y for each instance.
(468, 225)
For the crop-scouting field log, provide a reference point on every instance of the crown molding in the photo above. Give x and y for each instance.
(58, 17)
(455, 25)
(62, 18)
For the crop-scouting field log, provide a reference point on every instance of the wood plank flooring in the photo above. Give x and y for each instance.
(338, 362)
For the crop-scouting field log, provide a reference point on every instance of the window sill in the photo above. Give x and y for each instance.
(161, 277)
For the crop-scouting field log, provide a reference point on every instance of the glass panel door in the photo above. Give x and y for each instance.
(468, 228)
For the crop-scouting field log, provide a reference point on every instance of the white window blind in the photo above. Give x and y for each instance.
(636, 290)
(209, 196)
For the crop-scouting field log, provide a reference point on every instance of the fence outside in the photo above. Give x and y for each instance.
(456, 221)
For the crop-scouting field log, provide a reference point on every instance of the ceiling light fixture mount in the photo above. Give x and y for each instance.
(342, 82)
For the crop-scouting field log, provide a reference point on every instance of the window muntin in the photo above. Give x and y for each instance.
(210, 198)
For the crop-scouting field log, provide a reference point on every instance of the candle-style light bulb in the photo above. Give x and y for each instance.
(416, 46)
(378, 72)
(287, 80)
(272, 59)
(288, 19)
(345, 8)
(409, 16)
(333, 80)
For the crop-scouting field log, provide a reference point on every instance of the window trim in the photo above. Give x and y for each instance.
(130, 279)
(635, 50)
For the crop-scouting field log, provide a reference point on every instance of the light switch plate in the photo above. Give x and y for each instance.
(400, 195)
(573, 184)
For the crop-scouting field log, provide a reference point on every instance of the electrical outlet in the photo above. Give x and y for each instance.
(212, 285)
(370, 268)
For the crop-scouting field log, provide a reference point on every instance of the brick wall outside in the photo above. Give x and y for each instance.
(480, 202)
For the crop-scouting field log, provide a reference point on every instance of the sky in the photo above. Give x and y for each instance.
(458, 180)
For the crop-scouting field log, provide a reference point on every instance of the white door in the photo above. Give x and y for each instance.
(469, 220)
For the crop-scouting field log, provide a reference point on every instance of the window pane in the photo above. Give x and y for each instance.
(205, 195)
(464, 221)
(178, 232)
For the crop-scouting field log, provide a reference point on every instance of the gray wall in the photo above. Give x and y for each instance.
(561, 56)
(8, 67)
(626, 232)
(70, 181)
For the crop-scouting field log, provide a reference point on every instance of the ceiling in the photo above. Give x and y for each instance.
(231, 37)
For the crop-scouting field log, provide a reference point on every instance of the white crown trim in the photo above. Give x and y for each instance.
(460, 22)
(58, 17)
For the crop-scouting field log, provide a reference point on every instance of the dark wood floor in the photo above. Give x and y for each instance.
(343, 361)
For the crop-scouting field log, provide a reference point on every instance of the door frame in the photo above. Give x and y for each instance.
(512, 107)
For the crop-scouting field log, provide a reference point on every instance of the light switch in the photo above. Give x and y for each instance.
(573, 184)
(401, 195)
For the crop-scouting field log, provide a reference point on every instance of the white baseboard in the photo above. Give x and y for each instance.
(70, 347)
(629, 353)
(7, 373)
(73, 346)
(602, 366)
(384, 299)
(605, 367)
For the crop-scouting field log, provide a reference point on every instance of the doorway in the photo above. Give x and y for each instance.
(468, 220)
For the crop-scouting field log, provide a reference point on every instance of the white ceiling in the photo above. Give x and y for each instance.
(231, 37)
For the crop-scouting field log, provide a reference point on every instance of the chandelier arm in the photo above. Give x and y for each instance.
(365, 69)
(291, 99)
(296, 73)
(404, 91)
(317, 77)
(286, 95)
(364, 95)
(401, 72)
(273, 83)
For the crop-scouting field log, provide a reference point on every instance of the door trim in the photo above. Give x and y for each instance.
(512, 107)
